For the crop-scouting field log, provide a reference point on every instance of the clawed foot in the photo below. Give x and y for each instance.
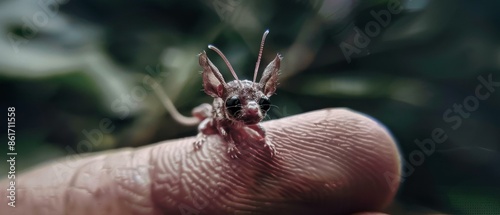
(233, 151)
(271, 148)
(200, 139)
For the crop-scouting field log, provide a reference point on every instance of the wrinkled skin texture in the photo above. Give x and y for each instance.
(332, 161)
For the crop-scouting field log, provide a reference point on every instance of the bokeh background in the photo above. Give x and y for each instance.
(66, 65)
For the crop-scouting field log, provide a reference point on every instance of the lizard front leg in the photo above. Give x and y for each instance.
(206, 127)
(232, 150)
(261, 137)
(209, 126)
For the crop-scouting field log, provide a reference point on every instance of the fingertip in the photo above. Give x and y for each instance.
(350, 152)
(386, 138)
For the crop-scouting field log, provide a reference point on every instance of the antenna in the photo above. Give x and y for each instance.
(260, 55)
(225, 60)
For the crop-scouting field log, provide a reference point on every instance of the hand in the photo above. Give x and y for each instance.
(332, 161)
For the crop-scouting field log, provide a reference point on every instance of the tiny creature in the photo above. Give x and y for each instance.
(238, 105)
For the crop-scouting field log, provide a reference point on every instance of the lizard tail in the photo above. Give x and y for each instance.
(167, 103)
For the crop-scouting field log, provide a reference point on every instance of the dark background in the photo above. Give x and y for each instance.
(81, 62)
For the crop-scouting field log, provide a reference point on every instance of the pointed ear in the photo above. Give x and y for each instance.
(269, 79)
(213, 82)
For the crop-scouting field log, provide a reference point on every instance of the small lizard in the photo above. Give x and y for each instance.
(238, 107)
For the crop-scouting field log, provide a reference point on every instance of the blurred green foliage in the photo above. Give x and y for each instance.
(85, 61)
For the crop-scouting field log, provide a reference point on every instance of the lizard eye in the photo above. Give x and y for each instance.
(233, 105)
(264, 104)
